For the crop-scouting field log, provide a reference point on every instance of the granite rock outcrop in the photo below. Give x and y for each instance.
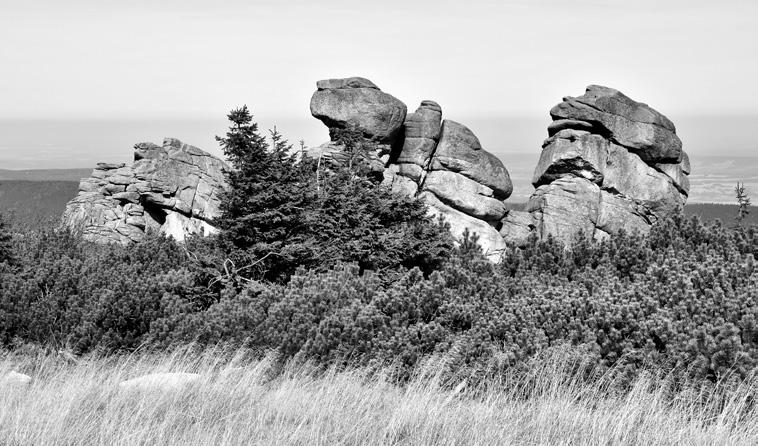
(172, 189)
(438, 160)
(609, 164)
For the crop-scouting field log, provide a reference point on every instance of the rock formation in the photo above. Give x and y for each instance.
(173, 189)
(609, 163)
(379, 115)
(420, 154)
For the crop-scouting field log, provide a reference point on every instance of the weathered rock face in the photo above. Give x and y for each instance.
(440, 161)
(460, 151)
(422, 132)
(630, 124)
(610, 163)
(172, 188)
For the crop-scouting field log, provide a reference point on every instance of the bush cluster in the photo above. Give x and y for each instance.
(685, 296)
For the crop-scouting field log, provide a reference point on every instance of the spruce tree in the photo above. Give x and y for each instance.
(743, 203)
(261, 209)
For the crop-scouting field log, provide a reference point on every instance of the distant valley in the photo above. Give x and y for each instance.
(37, 197)
(35, 203)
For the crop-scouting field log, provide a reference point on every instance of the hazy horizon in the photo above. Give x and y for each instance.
(77, 143)
(84, 80)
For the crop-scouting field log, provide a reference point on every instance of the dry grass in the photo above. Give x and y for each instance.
(244, 402)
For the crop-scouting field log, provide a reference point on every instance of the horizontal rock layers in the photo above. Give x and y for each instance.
(440, 161)
(609, 164)
(173, 189)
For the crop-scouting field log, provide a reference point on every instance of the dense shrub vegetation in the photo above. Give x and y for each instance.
(360, 275)
(685, 296)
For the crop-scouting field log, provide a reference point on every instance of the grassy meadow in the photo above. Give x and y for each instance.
(556, 400)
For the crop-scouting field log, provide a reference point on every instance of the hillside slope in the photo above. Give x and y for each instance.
(35, 202)
(724, 212)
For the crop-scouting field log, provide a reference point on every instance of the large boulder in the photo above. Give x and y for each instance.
(459, 150)
(465, 195)
(609, 164)
(358, 101)
(173, 189)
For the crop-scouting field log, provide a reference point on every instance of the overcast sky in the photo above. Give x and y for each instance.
(192, 59)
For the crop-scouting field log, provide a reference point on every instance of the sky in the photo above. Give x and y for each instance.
(83, 80)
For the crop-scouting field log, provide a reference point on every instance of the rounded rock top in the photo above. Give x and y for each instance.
(348, 82)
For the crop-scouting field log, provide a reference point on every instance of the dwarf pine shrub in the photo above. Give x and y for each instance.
(684, 296)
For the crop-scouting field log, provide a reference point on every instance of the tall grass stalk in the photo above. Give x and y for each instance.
(242, 401)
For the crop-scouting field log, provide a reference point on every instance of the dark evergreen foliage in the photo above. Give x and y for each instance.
(743, 203)
(263, 206)
(685, 296)
(275, 219)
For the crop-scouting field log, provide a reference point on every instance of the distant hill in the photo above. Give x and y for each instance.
(35, 203)
(37, 197)
(45, 174)
(723, 212)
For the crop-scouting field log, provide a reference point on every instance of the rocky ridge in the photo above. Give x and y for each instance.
(173, 189)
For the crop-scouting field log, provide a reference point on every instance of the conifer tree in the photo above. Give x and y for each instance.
(275, 217)
(743, 203)
(267, 193)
